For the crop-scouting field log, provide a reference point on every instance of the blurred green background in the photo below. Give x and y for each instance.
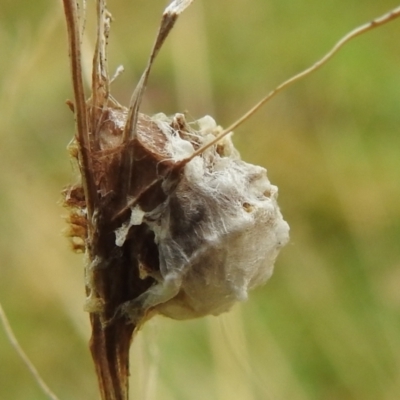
(327, 325)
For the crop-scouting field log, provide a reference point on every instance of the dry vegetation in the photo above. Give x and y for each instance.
(327, 325)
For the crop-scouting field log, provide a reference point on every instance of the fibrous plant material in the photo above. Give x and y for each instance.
(163, 231)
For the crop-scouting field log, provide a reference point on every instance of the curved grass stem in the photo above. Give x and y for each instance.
(382, 20)
(32, 369)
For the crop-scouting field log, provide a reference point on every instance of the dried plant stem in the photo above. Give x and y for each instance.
(168, 20)
(109, 344)
(111, 174)
(384, 19)
(169, 17)
(71, 15)
(14, 342)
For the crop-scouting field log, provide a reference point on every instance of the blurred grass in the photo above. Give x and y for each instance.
(327, 325)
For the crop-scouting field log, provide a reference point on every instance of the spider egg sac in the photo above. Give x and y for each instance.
(217, 231)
